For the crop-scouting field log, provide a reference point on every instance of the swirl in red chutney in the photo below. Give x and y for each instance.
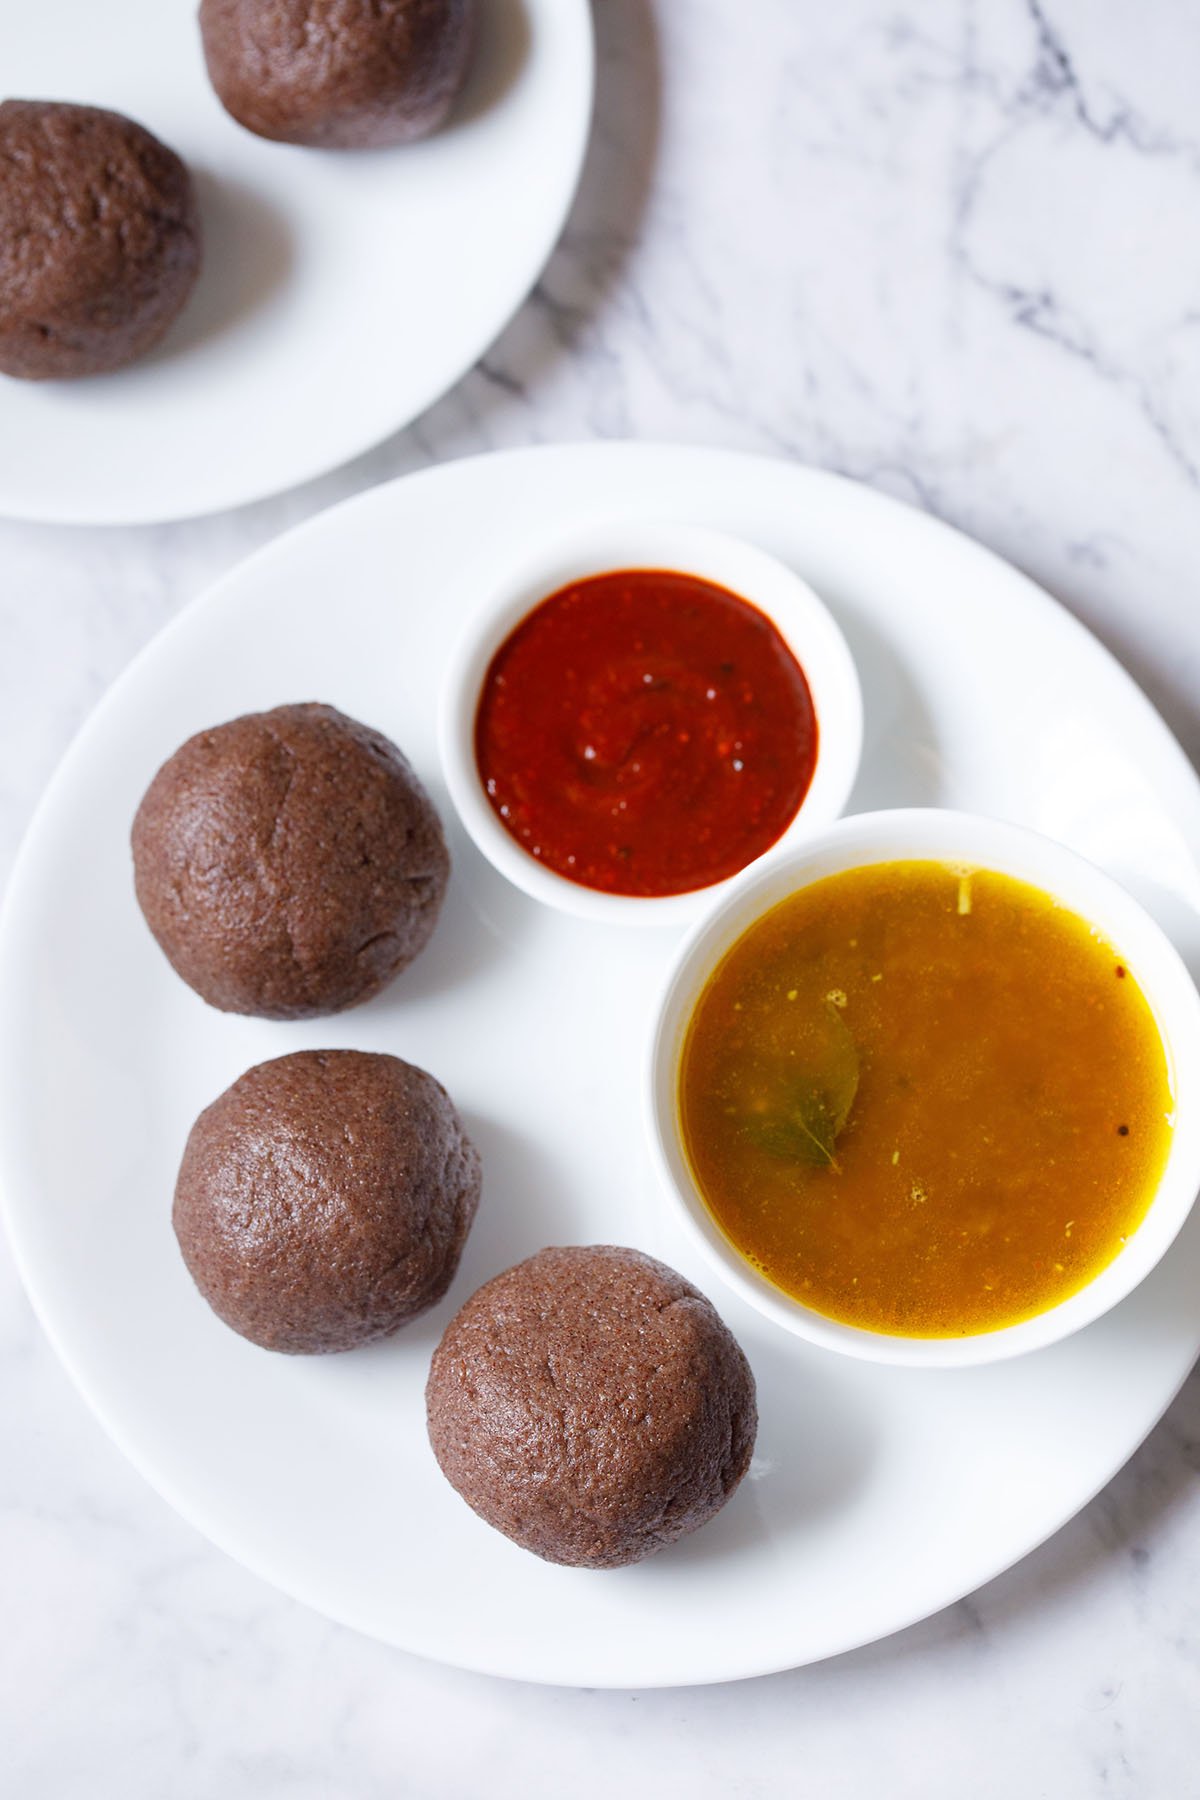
(645, 732)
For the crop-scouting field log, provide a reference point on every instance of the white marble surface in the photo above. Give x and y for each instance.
(950, 247)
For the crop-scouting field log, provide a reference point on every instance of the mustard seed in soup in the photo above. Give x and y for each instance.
(925, 1101)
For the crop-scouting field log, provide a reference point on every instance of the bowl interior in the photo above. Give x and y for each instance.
(978, 843)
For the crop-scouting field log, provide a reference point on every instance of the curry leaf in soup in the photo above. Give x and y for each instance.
(805, 1121)
(801, 1131)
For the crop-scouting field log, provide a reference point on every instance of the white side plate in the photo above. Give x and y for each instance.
(342, 291)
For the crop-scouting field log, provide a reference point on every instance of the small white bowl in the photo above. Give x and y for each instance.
(598, 548)
(956, 838)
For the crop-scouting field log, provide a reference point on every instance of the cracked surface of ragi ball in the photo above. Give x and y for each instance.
(289, 863)
(338, 74)
(324, 1199)
(591, 1405)
(99, 239)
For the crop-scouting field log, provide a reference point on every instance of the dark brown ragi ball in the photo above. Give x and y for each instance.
(338, 74)
(591, 1405)
(289, 863)
(324, 1200)
(99, 239)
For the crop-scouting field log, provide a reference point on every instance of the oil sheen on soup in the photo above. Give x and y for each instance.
(925, 1101)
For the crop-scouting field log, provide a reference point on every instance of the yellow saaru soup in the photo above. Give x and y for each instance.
(923, 1101)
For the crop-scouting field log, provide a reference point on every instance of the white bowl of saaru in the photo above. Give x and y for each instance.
(927, 1091)
(638, 712)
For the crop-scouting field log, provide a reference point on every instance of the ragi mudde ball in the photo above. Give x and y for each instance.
(338, 74)
(591, 1405)
(289, 863)
(324, 1199)
(99, 239)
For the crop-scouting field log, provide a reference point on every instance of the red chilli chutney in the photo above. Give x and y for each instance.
(925, 1101)
(645, 732)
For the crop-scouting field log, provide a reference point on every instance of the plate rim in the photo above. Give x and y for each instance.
(220, 593)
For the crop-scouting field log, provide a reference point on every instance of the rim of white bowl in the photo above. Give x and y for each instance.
(500, 600)
(975, 841)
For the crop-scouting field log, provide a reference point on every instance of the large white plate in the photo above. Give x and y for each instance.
(342, 292)
(877, 1495)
